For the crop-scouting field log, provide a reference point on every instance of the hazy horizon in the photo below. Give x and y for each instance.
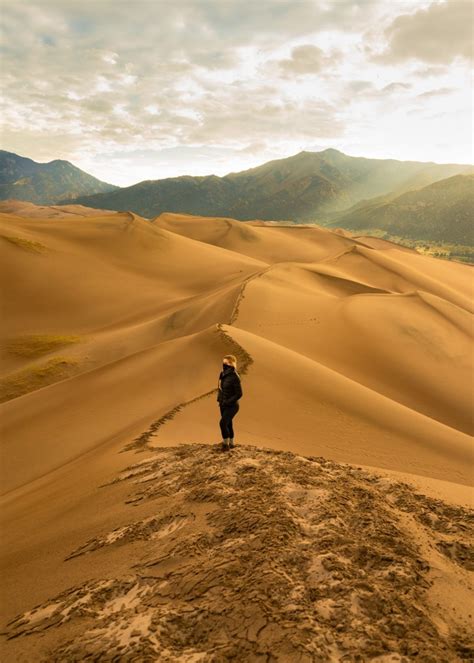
(205, 87)
(258, 164)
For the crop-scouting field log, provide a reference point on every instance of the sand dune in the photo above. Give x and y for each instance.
(376, 242)
(90, 272)
(349, 348)
(24, 208)
(269, 243)
(331, 320)
(333, 416)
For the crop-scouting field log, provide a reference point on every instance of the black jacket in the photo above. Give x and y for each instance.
(229, 388)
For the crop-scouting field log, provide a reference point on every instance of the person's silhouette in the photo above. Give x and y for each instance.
(229, 391)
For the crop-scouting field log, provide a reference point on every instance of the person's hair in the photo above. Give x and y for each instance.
(232, 359)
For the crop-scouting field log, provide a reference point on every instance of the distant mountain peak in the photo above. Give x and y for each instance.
(328, 151)
(45, 183)
(60, 161)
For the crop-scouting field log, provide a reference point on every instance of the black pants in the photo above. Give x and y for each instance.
(227, 414)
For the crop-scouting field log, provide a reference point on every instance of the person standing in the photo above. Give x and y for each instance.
(229, 391)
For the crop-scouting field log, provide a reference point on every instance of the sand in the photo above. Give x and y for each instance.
(353, 353)
(26, 209)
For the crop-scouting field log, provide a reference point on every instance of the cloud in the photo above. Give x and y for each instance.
(257, 121)
(102, 81)
(434, 93)
(396, 85)
(257, 80)
(431, 70)
(307, 59)
(253, 148)
(359, 86)
(365, 91)
(436, 34)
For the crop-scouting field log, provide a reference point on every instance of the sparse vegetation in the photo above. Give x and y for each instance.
(36, 345)
(448, 251)
(36, 376)
(443, 250)
(27, 244)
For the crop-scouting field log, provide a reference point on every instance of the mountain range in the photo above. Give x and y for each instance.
(45, 183)
(406, 199)
(297, 187)
(300, 188)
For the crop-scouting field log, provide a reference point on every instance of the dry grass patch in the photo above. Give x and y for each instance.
(36, 345)
(35, 247)
(36, 376)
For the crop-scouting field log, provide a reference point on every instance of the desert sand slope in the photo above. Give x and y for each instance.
(377, 242)
(24, 208)
(328, 414)
(348, 309)
(314, 409)
(411, 345)
(268, 243)
(265, 556)
(138, 294)
(450, 280)
(86, 410)
(379, 262)
(115, 329)
(89, 272)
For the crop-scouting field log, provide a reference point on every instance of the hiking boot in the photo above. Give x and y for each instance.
(231, 442)
(225, 443)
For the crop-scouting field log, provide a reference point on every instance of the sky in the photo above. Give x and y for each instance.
(133, 91)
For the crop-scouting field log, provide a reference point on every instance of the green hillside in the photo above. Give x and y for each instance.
(297, 188)
(442, 213)
(45, 183)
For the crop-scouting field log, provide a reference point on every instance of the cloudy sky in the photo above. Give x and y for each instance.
(154, 88)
